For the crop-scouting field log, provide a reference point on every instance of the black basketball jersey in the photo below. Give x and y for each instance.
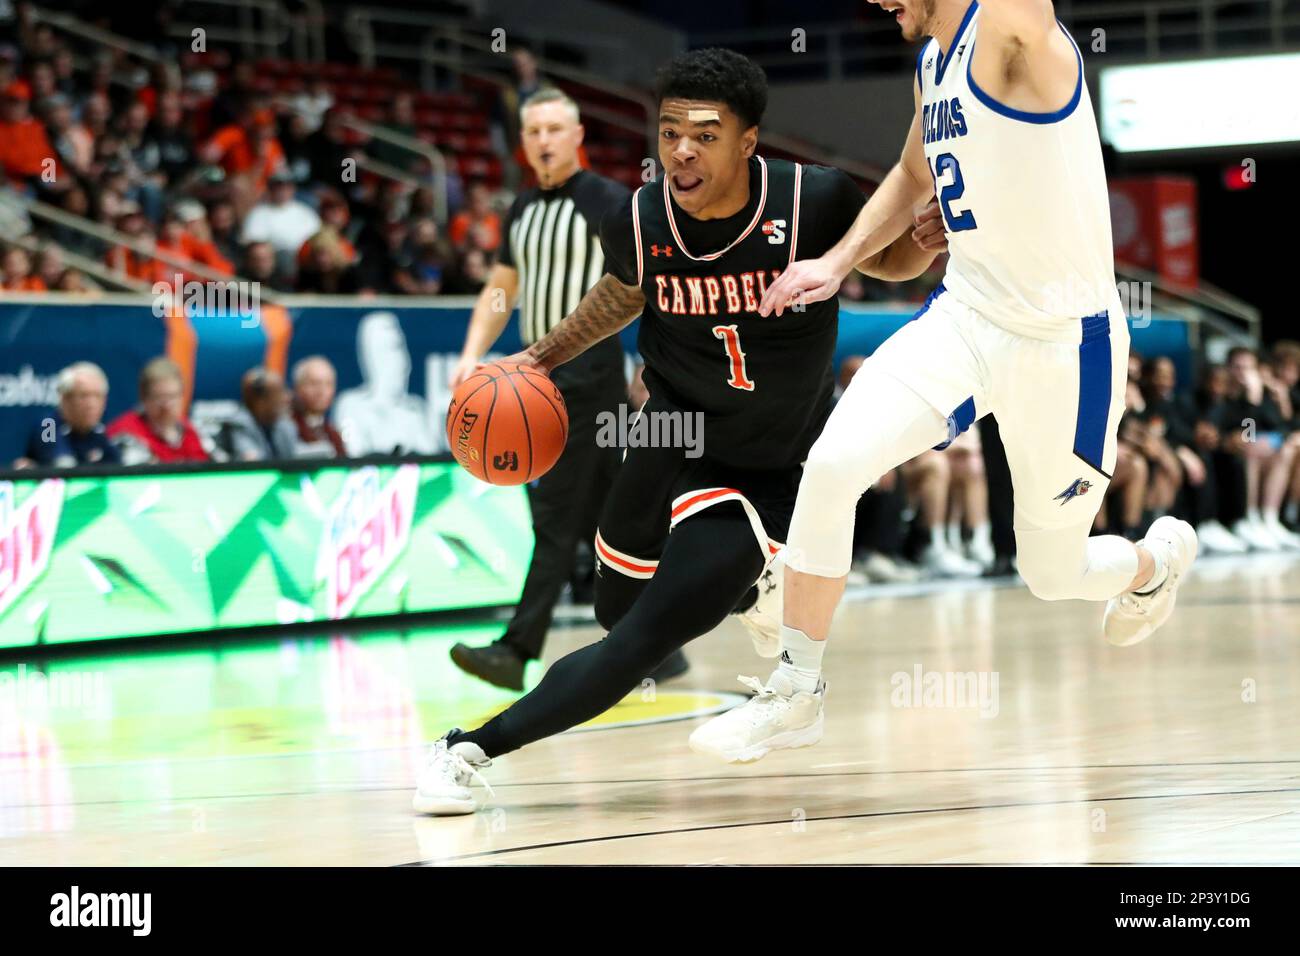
(764, 385)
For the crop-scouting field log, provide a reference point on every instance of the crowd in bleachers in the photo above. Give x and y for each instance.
(275, 421)
(202, 159)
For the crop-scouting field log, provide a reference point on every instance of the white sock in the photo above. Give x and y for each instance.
(937, 539)
(1252, 516)
(801, 658)
(982, 534)
(1157, 576)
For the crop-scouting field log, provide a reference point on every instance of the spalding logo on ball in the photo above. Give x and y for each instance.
(507, 424)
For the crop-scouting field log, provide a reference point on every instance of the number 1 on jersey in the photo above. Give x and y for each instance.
(739, 376)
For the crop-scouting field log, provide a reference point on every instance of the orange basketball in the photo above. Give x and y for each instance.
(507, 424)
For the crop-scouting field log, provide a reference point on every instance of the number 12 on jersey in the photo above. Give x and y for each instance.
(739, 378)
(943, 164)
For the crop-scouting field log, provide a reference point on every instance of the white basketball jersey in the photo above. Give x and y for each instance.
(1023, 196)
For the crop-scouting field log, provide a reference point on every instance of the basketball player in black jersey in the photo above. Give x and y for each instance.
(695, 250)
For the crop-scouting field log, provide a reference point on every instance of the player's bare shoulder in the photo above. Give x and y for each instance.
(1024, 58)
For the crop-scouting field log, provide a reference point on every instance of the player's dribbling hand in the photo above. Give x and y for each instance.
(519, 358)
(928, 231)
(805, 282)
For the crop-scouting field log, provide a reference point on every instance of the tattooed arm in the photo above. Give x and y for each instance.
(607, 307)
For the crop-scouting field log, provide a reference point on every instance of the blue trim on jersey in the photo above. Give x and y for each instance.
(925, 306)
(1022, 115)
(943, 61)
(1094, 390)
(961, 419)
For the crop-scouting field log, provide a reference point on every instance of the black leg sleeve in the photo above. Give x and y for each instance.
(710, 561)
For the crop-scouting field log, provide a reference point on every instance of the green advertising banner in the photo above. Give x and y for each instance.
(86, 558)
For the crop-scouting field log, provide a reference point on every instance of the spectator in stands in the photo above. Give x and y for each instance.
(334, 212)
(122, 258)
(40, 79)
(175, 143)
(1285, 360)
(969, 533)
(328, 269)
(17, 269)
(929, 482)
(1260, 407)
(314, 383)
(76, 201)
(238, 97)
(25, 150)
(281, 219)
(295, 140)
(50, 265)
(429, 261)
(261, 265)
(504, 126)
(75, 435)
(386, 258)
(261, 429)
(328, 149)
(223, 227)
(400, 120)
(73, 146)
(313, 103)
(470, 273)
(1175, 417)
(157, 431)
(477, 225)
(184, 235)
(249, 154)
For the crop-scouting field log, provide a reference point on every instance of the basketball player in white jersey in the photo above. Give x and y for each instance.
(1027, 325)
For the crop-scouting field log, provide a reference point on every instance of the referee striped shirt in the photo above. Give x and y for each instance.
(552, 238)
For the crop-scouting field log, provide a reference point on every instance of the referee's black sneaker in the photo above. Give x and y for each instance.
(496, 663)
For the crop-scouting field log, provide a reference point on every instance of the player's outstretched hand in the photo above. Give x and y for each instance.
(805, 282)
(928, 231)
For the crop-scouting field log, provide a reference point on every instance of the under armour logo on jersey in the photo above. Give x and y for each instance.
(667, 251)
(769, 582)
(929, 63)
(774, 229)
(1077, 487)
(959, 50)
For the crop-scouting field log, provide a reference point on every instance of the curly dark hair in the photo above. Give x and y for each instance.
(723, 76)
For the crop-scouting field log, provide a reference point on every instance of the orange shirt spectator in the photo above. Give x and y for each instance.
(17, 272)
(24, 147)
(238, 152)
(486, 229)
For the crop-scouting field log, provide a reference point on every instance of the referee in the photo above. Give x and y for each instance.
(550, 256)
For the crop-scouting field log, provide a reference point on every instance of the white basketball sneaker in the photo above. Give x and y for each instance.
(1134, 617)
(444, 784)
(774, 718)
(763, 620)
